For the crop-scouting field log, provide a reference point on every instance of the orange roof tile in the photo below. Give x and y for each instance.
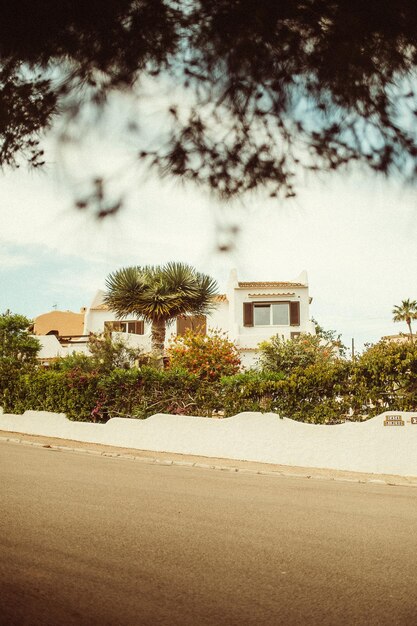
(262, 295)
(100, 307)
(269, 285)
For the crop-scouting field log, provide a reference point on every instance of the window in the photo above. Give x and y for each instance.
(271, 313)
(276, 314)
(134, 327)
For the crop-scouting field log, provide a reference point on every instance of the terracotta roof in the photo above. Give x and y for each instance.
(221, 297)
(100, 307)
(64, 322)
(272, 285)
(262, 295)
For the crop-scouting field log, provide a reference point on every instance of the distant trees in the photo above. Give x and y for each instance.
(405, 312)
(17, 347)
(159, 294)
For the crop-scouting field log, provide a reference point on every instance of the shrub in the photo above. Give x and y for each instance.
(106, 354)
(284, 355)
(384, 378)
(318, 394)
(17, 346)
(209, 357)
(250, 391)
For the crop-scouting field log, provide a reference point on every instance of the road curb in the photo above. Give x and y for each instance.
(282, 473)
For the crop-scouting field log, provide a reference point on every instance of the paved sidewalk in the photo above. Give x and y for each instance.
(169, 458)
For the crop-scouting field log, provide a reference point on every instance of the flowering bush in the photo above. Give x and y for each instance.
(209, 357)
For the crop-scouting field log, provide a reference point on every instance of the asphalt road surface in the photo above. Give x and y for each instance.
(93, 540)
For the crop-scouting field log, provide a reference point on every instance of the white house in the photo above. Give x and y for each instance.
(259, 310)
(249, 312)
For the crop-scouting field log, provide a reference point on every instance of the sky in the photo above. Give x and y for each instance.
(355, 234)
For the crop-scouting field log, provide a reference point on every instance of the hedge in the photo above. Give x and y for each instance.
(383, 378)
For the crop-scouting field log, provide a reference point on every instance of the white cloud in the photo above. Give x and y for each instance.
(10, 259)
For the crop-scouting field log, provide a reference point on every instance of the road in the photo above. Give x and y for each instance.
(94, 540)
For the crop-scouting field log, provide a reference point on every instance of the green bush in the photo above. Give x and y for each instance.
(250, 391)
(74, 393)
(17, 347)
(284, 355)
(384, 378)
(319, 393)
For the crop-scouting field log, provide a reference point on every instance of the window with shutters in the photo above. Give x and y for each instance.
(277, 314)
(271, 313)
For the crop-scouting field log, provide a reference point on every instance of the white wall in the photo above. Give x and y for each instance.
(361, 447)
(52, 349)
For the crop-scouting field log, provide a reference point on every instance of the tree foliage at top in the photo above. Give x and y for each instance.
(268, 89)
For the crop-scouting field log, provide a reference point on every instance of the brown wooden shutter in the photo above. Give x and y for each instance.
(181, 324)
(112, 327)
(294, 313)
(196, 323)
(248, 314)
(140, 327)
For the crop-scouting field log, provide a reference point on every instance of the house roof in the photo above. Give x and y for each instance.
(262, 295)
(100, 307)
(270, 285)
(64, 322)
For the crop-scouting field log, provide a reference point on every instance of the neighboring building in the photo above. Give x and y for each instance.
(401, 338)
(60, 333)
(60, 323)
(249, 312)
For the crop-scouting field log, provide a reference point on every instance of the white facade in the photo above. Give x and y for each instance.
(52, 349)
(280, 296)
(273, 308)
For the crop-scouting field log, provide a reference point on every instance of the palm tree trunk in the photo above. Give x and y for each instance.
(408, 320)
(158, 341)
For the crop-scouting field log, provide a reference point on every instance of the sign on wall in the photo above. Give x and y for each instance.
(394, 420)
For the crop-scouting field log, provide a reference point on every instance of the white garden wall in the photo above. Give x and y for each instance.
(362, 447)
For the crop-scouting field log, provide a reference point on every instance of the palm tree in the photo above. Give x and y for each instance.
(159, 294)
(405, 312)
